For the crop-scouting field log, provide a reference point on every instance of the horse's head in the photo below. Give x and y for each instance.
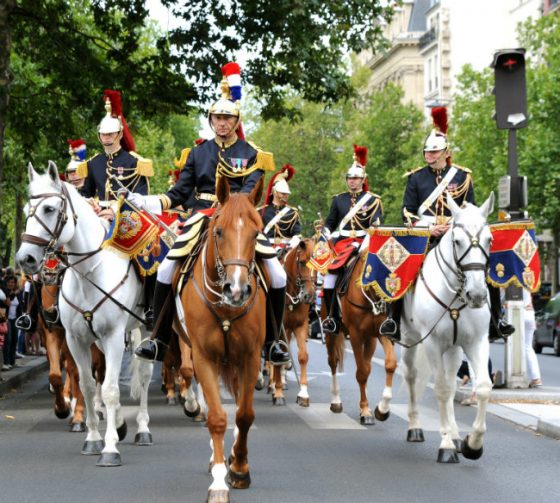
(301, 280)
(233, 232)
(470, 240)
(50, 219)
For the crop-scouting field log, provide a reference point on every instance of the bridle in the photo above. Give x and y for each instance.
(300, 280)
(222, 264)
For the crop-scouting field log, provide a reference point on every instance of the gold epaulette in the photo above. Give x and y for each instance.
(462, 168)
(408, 173)
(82, 169)
(144, 167)
(179, 163)
(374, 194)
(265, 161)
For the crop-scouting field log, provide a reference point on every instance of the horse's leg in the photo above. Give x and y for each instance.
(98, 366)
(208, 375)
(452, 362)
(335, 353)
(141, 375)
(78, 424)
(382, 410)
(82, 356)
(54, 348)
(116, 426)
(278, 397)
(239, 475)
(478, 357)
(191, 405)
(363, 346)
(443, 389)
(303, 357)
(415, 432)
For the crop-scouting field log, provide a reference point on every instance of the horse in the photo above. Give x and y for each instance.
(224, 306)
(362, 314)
(447, 311)
(300, 294)
(97, 287)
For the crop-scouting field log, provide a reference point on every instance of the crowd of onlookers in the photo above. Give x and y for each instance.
(14, 343)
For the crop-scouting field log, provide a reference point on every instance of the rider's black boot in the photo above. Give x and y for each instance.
(331, 324)
(391, 326)
(155, 348)
(272, 348)
(499, 328)
(149, 292)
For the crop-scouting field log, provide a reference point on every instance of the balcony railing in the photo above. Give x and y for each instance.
(427, 38)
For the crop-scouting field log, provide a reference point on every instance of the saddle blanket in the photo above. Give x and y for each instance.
(343, 250)
(395, 256)
(514, 256)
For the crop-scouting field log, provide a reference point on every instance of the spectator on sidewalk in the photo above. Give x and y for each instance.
(3, 329)
(533, 369)
(13, 300)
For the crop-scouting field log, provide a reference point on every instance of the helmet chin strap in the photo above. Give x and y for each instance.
(114, 145)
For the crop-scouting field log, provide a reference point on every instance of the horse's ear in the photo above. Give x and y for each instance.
(256, 193)
(52, 171)
(453, 206)
(31, 173)
(488, 206)
(222, 190)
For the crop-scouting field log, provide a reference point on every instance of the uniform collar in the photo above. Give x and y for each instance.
(438, 172)
(227, 143)
(114, 154)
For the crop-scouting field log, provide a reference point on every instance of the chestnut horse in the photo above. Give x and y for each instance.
(300, 294)
(224, 309)
(362, 314)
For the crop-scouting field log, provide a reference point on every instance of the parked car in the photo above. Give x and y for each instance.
(541, 297)
(547, 332)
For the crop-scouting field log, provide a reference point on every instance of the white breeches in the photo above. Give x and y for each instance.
(277, 274)
(533, 370)
(330, 280)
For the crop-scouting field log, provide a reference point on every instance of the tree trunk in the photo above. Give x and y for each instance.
(6, 6)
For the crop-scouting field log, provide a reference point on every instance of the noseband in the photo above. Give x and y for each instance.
(222, 264)
(300, 281)
(62, 218)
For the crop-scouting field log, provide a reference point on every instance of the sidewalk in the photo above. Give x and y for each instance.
(537, 408)
(26, 368)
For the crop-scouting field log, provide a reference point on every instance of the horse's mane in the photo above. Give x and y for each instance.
(238, 206)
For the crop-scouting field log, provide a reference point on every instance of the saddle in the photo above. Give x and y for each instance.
(343, 279)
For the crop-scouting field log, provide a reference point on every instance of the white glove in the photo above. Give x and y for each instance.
(294, 241)
(150, 203)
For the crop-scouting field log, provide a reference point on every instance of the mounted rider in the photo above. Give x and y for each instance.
(351, 214)
(229, 155)
(77, 150)
(281, 221)
(424, 203)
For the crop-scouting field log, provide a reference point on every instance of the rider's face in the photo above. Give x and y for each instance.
(281, 198)
(436, 159)
(354, 183)
(108, 139)
(223, 124)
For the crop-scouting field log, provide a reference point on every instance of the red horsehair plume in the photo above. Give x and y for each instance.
(439, 116)
(116, 101)
(360, 155)
(287, 172)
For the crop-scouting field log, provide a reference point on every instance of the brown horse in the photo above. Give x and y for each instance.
(300, 294)
(362, 314)
(225, 307)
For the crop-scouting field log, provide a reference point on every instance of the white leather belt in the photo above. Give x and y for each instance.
(350, 234)
(206, 196)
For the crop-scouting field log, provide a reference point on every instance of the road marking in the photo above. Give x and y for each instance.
(429, 417)
(319, 417)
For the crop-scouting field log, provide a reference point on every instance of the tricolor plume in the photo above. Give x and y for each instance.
(360, 155)
(439, 117)
(232, 73)
(287, 172)
(77, 149)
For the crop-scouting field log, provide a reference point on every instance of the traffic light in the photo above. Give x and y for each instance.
(510, 89)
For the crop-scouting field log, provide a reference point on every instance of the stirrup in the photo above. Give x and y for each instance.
(279, 345)
(151, 350)
(24, 322)
(329, 325)
(389, 327)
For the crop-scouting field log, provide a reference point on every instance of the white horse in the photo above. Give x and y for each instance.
(448, 311)
(99, 292)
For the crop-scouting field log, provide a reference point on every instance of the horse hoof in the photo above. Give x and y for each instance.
(458, 443)
(381, 416)
(269, 390)
(265, 372)
(92, 447)
(367, 420)
(182, 399)
(415, 435)
(163, 389)
(303, 402)
(109, 459)
(259, 385)
(78, 427)
(100, 415)
(172, 401)
(62, 414)
(239, 480)
(218, 496)
(469, 452)
(143, 438)
(199, 418)
(122, 431)
(278, 401)
(447, 456)
(193, 413)
(336, 408)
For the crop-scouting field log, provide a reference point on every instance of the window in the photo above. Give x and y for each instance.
(436, 72)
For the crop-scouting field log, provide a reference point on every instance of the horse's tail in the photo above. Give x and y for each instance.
(137, 367)
(421, 365)
(228, 374)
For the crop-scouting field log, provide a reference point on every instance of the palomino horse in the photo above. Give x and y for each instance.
(99, 302)
(362, 314)
(447, 311)
(224, 311)
(300, 294)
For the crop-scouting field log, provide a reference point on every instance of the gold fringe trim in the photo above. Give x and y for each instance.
(462, 168)
(108, 242)
(515, 281)
(518, 225)
(265, 161)
(179, 163)
(144, 167)
(399, 231)
(82, 170)
(408, 173)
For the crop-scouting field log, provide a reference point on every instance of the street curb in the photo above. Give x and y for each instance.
(15, 378)
(549, 429)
